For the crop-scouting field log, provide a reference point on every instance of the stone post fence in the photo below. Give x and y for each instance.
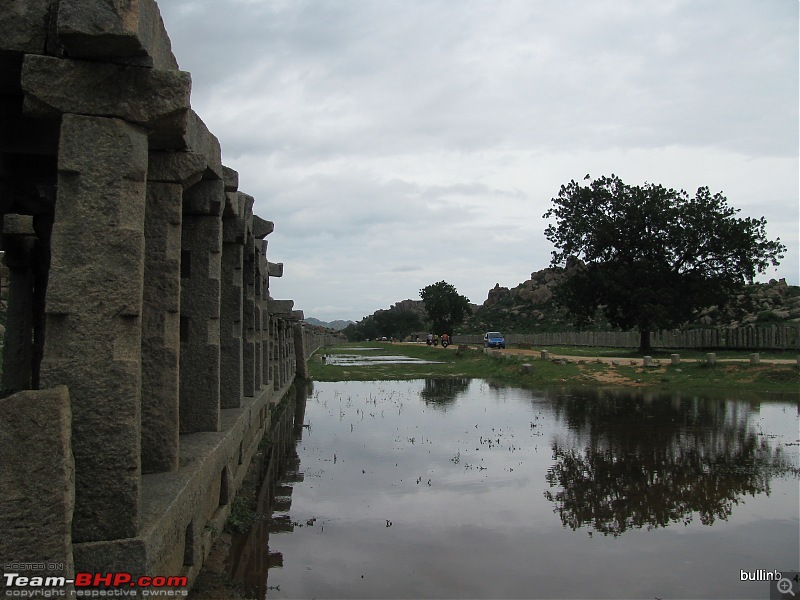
(143, 353)
(775, 337)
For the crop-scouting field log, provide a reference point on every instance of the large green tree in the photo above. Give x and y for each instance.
(392, 323)
(446, 308)
(653, 256)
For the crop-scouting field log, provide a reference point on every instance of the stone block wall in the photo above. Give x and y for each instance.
(141, 338)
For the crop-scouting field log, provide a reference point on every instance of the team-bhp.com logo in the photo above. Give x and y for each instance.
(93, 585)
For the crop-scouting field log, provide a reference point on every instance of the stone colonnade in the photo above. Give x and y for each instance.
(141, 338)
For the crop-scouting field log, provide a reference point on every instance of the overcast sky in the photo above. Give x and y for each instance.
(397, 143)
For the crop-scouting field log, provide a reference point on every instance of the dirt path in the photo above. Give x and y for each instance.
(611, 360)
(625, 361)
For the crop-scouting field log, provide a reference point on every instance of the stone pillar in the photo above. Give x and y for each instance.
(37, 465)
(249, 323)
(262, 332)
(161, 326)
(281, 352)
(232, 308)
(201, 265)
(94, 308)
(300, 349)
(274, 329)
(260, 314)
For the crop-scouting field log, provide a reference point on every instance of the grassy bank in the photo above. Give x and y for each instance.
(529, 370)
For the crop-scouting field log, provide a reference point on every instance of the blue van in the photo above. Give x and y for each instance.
(494, 339)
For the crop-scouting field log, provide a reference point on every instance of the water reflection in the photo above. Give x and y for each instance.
(442, 392)
(655, 462)
(249, 558)
(365, 360)
(448, 488)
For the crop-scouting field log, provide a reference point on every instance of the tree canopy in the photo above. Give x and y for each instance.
(653, 256)
(446, 308)
(391, 323)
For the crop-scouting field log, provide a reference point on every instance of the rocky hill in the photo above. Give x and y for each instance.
(335, 325)
(530, 307)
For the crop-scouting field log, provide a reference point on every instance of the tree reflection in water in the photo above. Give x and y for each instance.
(443, 392)
(652, 462)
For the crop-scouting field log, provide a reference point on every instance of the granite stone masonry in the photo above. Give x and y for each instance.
(142, 352)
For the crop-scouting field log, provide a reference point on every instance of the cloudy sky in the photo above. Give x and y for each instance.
(397, 143)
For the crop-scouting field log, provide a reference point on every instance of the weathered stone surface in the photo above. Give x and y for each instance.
(158, 100)
(94, 298)
(261, 323)
(161, 327)
(186, 168)
(234, 231)
(124, 31)
(98, 242)
(541, 295)
(38, 474)
(281, 308)
(18, 225)
(121, 556)
(300, 349)
(231, 208)
(262, 228)
(275, 269)
(231, 178)
(246, 207)
(261, 266)
(231, 318)
(205, 198)
(23, 25)
(249, 386)
(201, 249)
(196, 138)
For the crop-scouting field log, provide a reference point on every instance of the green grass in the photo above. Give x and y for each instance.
(579, 370)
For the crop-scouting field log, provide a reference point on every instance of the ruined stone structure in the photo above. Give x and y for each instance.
(143, 352)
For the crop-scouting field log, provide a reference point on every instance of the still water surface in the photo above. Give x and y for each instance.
(458, 489)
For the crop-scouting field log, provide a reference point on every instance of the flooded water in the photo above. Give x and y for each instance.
(457, 489)
(362, 360)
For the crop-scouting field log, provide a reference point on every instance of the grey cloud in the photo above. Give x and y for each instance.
(364, 129)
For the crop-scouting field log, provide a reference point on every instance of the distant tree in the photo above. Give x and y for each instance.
(352, 333)
(396, 323)
(445, 307)
(653, 256)
(391, 323)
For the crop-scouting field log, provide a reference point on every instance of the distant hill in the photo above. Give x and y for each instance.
(336, 325)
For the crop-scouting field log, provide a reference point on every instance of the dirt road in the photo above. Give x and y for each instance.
(618, 361)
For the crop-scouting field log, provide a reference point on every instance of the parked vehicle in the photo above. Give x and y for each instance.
(494, 339)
